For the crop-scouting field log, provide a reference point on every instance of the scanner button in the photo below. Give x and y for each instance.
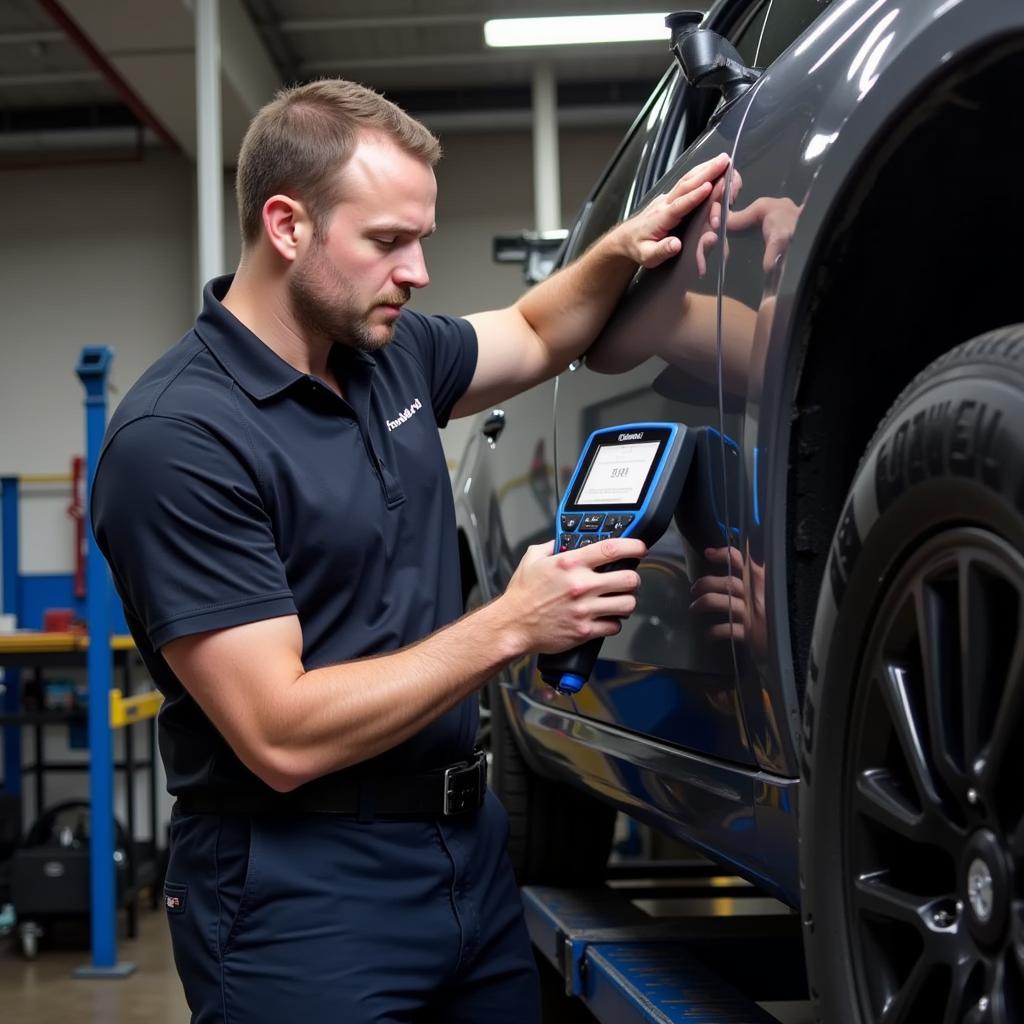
(592, 523)
(567, 541)
(618, 523)
(587, 539)
(569, 523)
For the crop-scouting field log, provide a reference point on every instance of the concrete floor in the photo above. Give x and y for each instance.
(43, 991)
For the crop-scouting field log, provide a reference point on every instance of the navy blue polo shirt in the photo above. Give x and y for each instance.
(234, 488)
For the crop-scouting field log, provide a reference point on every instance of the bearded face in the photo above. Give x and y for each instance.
(327, 304)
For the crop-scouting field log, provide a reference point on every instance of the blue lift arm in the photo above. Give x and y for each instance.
(629, 967)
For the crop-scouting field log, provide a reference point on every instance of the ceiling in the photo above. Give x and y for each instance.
(82, 73)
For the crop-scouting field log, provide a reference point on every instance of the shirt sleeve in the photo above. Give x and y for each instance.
(446, 347)
(178, 517)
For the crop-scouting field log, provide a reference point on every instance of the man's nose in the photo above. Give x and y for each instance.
(412, 271)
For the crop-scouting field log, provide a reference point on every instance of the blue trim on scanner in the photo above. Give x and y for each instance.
(571, 683)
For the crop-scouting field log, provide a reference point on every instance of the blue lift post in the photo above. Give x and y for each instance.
(9, 528)
(704, 959)
(93, 367)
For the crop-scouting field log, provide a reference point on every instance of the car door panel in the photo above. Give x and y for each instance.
(669, 674)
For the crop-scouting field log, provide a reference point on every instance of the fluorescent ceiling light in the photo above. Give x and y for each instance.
(590, 28)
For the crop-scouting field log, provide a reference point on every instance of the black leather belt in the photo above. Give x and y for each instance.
(457, 789)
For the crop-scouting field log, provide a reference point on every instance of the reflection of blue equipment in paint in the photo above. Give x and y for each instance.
(707, 516)
(627, 483)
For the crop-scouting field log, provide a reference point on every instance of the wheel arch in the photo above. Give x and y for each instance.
(846, 358)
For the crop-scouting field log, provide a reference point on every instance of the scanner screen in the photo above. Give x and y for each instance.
(617, 474)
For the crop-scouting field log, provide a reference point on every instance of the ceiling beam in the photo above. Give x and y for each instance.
(30, 38)
(155, 55)
(50, 78)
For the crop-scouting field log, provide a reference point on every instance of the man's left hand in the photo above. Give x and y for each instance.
(646, 237)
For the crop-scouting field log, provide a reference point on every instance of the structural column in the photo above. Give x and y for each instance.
(209, 149)
(547, 196)
(92, 369)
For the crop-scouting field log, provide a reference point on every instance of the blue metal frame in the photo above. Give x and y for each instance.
(10, 530)
(627, 968)
(92, 369)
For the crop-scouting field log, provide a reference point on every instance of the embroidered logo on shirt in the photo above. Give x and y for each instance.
(406, 414)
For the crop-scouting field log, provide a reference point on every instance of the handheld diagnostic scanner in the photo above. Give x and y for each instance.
(627, 483)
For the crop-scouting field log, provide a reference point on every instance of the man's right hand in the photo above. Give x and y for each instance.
(559, 601)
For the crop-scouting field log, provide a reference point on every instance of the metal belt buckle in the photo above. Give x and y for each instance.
(463, 787)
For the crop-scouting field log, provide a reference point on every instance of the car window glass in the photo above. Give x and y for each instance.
(677, 112)
(747, 34)
(784, 22)
(618, 191)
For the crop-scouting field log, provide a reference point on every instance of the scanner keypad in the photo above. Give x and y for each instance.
(579, 531)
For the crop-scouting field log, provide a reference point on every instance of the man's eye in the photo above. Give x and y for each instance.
(386, 241)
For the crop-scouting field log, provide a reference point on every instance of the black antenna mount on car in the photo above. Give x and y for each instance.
(707, 59)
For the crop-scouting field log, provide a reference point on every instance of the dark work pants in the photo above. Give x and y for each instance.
(318, 918)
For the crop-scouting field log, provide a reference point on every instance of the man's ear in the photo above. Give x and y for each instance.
(287, 225)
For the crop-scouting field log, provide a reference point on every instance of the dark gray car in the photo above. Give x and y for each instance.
(833, 621)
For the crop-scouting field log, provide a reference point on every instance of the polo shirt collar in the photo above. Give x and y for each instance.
(256, 367)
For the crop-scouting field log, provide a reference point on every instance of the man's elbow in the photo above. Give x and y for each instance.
(284, 768)
(280, 768)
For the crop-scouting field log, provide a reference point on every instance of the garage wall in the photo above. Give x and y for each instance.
(104, 253)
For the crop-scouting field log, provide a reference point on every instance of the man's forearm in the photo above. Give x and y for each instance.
(382, 700)
(569, 309)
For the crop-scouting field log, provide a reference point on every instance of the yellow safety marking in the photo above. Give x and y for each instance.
(125, 710)
(45, 478)
(32, 642)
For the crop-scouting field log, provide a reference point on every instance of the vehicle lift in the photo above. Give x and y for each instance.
(667, 942)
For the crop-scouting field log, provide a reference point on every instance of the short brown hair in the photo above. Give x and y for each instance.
(299, 141)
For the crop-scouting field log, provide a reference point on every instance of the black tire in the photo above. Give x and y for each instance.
(558, 835)
(911, 803)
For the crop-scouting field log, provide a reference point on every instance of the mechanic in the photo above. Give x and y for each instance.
(274, 502)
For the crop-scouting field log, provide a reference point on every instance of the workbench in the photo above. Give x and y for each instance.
(30, 654)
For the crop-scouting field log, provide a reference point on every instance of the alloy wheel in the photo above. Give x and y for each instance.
(933, 795)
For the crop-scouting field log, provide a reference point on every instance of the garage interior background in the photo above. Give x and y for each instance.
(98, 187)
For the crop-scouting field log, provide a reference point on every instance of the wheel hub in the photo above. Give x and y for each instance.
(979, 890)
(987, 887)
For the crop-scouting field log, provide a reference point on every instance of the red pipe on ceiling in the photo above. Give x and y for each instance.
(98, 61)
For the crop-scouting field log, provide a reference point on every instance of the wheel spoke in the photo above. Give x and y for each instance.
(998, 1011)
(1007, 720)
(1017, 928)
(975, 659)
(877, 897)
(900, 1007)
(939, 668)
(963, 972)
(879, 798)
(894, 684)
